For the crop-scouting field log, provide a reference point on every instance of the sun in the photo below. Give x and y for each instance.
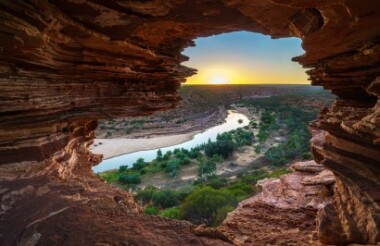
(218, 79)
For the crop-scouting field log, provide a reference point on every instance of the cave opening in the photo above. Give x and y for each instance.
(234, 58)
(245, 58)
(271, 141)
(67, 64)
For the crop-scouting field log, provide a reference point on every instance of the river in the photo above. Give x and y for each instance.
(231, 123)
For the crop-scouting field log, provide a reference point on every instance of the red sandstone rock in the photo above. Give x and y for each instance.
(284, 213)
(66, 63)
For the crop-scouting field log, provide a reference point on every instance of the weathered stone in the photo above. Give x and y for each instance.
(325, 177)
(308, 166)
(284, 213)
(66, 63)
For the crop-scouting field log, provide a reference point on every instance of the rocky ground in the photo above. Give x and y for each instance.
(67, 64)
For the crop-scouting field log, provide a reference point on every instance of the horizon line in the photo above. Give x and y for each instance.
(244, 84)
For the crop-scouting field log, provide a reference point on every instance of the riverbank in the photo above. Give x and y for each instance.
(147, 147)
(115, 147)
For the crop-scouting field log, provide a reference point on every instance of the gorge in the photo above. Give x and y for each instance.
(65, 64)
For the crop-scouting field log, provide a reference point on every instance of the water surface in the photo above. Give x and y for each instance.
(231, 123)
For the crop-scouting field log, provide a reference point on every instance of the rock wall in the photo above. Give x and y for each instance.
(66, 63)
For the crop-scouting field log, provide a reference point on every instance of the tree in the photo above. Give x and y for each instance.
(243, 137)
(180, 155)
(172, 168)
(167, 155)
(253, 124)
(223, 146)
(194, 153)
(123, 168)
(159, 155)
(139, 164)
(206, 168)
(186, 160)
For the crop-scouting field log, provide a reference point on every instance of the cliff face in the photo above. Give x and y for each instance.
(66, 63)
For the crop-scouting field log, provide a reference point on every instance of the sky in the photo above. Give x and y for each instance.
(245, 58)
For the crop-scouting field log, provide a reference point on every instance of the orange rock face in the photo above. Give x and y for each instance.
(285, 212)
(66, 63)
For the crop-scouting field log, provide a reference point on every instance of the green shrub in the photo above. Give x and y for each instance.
(186, 160)
(240, 190)
(223, 147)
(185, 151)
(172, 213)
(243, 137)
(179, 154)
(307, 156)
(253, 124)
(130, 178)
(159, 155)
(123, 168)
(258, 149)
(167, 155)
(145, 195)
(279, 172)
(172, 167)
(217, 183)
(195, 153)
(139, 164)
(151, 210)
(165, 198)
(206, 168)
(201, 206)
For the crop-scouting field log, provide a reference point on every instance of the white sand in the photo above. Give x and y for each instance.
(119, 146)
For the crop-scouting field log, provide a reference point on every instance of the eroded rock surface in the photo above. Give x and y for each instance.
(66, 63)
(285, 212)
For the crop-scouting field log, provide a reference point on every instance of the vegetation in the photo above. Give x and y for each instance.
(165, 198)
(129, 178)
(172, 213)
(207, 166)
(203, 204)
(198, 102)
(208, 202)
(151, 210)
(171, 162)
(210, 198)
(223, 146)
(291, 112)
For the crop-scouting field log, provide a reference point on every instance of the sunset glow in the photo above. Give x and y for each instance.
(218, 79)
(245, 58)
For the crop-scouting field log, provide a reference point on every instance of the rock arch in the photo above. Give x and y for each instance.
(66, 63)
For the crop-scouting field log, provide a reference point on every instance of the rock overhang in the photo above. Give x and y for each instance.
(66, 63)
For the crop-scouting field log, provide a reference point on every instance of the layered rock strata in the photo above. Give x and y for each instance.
(64, 64)
(285, 212)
